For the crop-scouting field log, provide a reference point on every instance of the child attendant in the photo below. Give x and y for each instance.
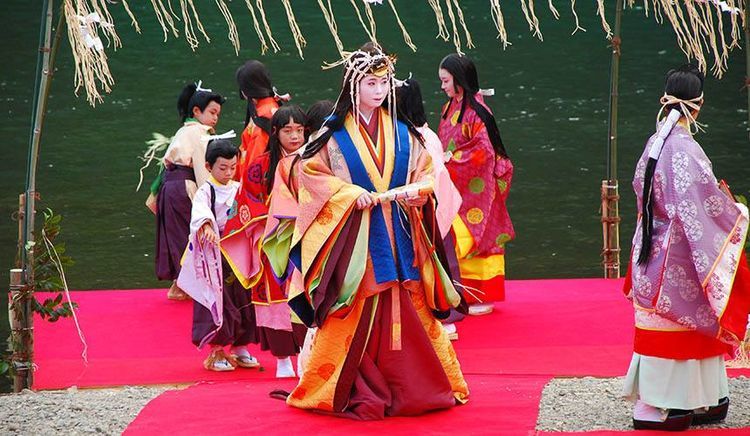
(276, 330)
(223, 314)
(184, 172)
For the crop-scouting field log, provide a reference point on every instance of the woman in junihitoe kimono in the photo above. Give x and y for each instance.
(688, 279)
(482, 172)
(372, 280)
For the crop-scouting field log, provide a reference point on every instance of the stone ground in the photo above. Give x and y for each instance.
(73, 411)
(570, 404)
(585, 404)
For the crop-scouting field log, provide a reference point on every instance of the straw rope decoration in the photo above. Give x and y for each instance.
(299, 39)
(530, 14)
(705, 30)
(256, 25)
(440, 19)
(133, 21)
(233, 36)
(497, 18)
(274, 45)
(575, 16)
(407, 38)
(369, 29)
(553, 9)
(331, 21)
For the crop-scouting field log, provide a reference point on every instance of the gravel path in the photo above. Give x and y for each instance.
(73, 412)
(585, 404)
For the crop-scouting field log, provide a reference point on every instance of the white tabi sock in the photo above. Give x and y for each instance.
(645, 412)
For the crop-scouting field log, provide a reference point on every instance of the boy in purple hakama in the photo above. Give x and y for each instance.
(223, 314)
(184, 173)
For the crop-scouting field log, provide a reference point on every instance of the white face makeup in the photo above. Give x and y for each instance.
(373, 91)
(446, 83)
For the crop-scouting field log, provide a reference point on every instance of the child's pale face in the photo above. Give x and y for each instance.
(223, 169)
(292, 136)
(373, 91)
(209, 116)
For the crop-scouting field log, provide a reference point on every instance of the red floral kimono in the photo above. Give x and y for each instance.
(483, 225)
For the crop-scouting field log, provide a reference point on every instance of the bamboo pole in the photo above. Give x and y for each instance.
(23, 351)
(609, 189)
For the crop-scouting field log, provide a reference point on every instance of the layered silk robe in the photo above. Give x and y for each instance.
(371, 281)
(692, 296)
(483, 225)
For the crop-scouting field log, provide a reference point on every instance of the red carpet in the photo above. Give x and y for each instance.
(500, 405)
(546, 328)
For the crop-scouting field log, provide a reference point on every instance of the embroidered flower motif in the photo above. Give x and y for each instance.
(669, 207)
(659, 185)
(664, 304)
(676, 275)
(325, 215)
(642, 285)
(640, 170)
(694, 230)
(700, 260)
(687, 210)
(705, 316)
(255, 173)
(716, 288)
(682, 178)
(736, 236)
(714, 206)
(687, 321)
(689, 291)
(244, 214)
(474, 215)
(706, 175)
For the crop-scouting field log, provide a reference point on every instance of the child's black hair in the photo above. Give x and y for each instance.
(190, 98)
(281, 118)
(410, 104)
(220, 148)
(317, 114)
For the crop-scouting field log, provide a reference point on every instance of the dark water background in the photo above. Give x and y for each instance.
(551, 104)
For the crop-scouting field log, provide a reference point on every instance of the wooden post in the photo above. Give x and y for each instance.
(609, 189)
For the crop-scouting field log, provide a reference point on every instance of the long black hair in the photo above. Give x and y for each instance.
(344, 106)
(410, 104)
(190, 98)
(685, 83)
(281, 118)
(465, 76)
(317, 114)
(254, 82)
